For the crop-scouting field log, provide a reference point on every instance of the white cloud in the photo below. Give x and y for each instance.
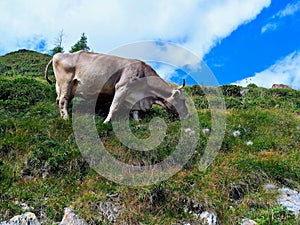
(196, 25)
(284, 71)
(269, 27)
(289, 10)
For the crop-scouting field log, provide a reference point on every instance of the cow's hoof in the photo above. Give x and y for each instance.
(106, 121)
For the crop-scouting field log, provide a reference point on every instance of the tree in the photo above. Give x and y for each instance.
(81, 44)
(58, 44)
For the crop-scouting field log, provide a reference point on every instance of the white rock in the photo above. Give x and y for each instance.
(270, 187)
(70, 218)
(290, 199)
(208, 218)
(24, 219)
(248, 222)
(287, 198)
(25, 207)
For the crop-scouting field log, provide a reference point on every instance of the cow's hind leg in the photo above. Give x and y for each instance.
(63, 104)
(63, 100)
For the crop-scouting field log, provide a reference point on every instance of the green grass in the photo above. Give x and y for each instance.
(41, 165)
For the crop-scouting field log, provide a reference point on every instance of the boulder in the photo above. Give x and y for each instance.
(24, 219)
(290, 199)
(208, 218)
(70, 218)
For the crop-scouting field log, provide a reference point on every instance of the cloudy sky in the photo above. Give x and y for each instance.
(242, 42)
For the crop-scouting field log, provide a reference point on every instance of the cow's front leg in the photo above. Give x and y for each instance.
(119, 97)
(135, 115)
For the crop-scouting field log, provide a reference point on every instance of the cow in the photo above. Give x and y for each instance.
(93, 75)
(281, 86)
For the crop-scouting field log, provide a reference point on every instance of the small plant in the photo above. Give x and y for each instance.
(276, 215)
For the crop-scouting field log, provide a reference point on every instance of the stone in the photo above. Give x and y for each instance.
(248, 222)
(290, 199)
(70, 218)
(208, 218)
(27, 218)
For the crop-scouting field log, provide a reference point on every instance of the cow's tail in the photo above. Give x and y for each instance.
(46, 71)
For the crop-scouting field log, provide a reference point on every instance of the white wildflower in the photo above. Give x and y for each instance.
(236, 133)
(249, 143)
(187, 130)
(205, 131)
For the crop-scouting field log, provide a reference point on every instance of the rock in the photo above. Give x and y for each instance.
(270, 187)
(208, 218)
(248, 222)
(108, 210)
(24, 219)
(70, 218)
(290, 199)
(244, 92)
(192, 207)
(281, 86)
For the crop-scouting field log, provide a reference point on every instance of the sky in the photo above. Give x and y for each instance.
(241, 42)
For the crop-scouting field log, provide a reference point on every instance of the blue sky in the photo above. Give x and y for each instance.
(258, 45)
(242, 42)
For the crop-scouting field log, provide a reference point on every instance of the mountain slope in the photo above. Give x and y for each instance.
(42, 166)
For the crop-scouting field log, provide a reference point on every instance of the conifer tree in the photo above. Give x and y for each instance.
(81, 44)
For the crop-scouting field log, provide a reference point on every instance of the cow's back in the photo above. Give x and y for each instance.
(103, 72)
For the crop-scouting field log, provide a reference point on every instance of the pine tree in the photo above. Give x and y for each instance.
(81, 44)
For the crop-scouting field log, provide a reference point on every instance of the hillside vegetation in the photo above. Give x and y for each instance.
(41, 165)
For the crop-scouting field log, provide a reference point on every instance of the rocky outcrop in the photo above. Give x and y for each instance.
(208, 218)
(290, 199)
(70, 218)
(24, 219)
(281, 86)
(28, 218)
(112, 208)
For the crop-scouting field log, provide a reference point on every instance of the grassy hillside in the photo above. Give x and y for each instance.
(41, 165)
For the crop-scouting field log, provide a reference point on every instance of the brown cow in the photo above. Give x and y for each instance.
(91, 75)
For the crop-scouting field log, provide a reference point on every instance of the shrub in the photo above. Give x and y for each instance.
(21, 92)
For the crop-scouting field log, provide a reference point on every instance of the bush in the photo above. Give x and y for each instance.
(231, 90)
(21, 92)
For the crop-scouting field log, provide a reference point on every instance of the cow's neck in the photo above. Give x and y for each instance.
(162, 92)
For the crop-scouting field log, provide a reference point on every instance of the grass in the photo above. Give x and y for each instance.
(41, 165)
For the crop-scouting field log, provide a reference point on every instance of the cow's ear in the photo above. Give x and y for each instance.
(175, 93)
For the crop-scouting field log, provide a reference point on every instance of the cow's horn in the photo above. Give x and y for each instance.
(183, 84)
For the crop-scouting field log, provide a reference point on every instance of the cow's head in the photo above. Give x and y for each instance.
(176, 103)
